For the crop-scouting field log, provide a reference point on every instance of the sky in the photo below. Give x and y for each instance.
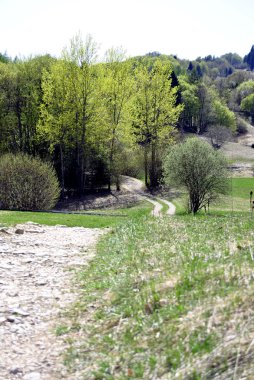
(186, 28)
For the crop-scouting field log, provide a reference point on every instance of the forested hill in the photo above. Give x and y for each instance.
(96, 120)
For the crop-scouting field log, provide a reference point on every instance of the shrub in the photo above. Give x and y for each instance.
(196, 166)
(241, 126)
(27, 183)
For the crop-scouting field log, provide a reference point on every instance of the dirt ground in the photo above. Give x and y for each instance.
(36, 286)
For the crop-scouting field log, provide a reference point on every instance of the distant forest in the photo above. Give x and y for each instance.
(95, 120)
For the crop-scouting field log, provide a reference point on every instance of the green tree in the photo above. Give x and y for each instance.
(28, 100)
(244, 89)
(205, 96)
(189, 97)
(69, 111)
(8, 117)
(223, 116)
(155, 114)
(21, 95)
(201, 170)
(116, 92)
(247, 105)
(233, 59)
(56, 122)
(249, 58)
(81, 58)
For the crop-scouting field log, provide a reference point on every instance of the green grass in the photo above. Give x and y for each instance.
(168, 297)
(241, 187)
(237, 199)
(74, 220)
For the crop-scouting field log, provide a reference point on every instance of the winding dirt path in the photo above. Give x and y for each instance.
(136, 186)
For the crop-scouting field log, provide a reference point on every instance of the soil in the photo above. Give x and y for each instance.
(241, 149)
(101, 200)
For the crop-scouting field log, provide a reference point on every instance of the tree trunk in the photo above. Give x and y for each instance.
(111, 158)
(18, 112)
(153, 176)
(146, 166)
(62, 170)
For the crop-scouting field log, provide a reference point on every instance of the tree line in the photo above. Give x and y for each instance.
(97, 119)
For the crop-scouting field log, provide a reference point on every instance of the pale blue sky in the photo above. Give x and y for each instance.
(187, 28)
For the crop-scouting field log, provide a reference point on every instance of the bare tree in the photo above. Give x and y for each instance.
(219, 135)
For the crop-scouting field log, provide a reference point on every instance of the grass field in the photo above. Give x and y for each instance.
(164, 298)
(168, 298)
(237, 199)
(75, 220)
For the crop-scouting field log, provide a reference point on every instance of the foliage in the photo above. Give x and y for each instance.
(190, 99)
(21, 96)
(4, 58)
(195, 165)
(241, 126)
(154, 114)
(223, 116)
(27, 183)
(247, 105)
(245, 89)
(81, 114)
(249, 58)
(116, 85)
(233, 58)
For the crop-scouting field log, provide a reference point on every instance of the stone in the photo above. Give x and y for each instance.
(19, 231)
(19, 311)
(15, 370)
(32, 376)
(10, 319)
(2, 320)
(4, 230)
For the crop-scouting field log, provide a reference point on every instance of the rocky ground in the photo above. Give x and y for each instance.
(36, 273)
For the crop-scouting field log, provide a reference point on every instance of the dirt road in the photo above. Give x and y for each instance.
(136, 186)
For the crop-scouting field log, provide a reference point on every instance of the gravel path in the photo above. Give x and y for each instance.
(36, 272)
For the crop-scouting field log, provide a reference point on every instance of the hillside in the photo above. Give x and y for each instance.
(95, 120)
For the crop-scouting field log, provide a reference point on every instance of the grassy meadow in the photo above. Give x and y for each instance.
(164, 298)
(169, 298)
(98, 219)
(237, 199)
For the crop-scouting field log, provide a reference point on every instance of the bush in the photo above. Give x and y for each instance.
(196, 166)
(27, 183)
(241, 126)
